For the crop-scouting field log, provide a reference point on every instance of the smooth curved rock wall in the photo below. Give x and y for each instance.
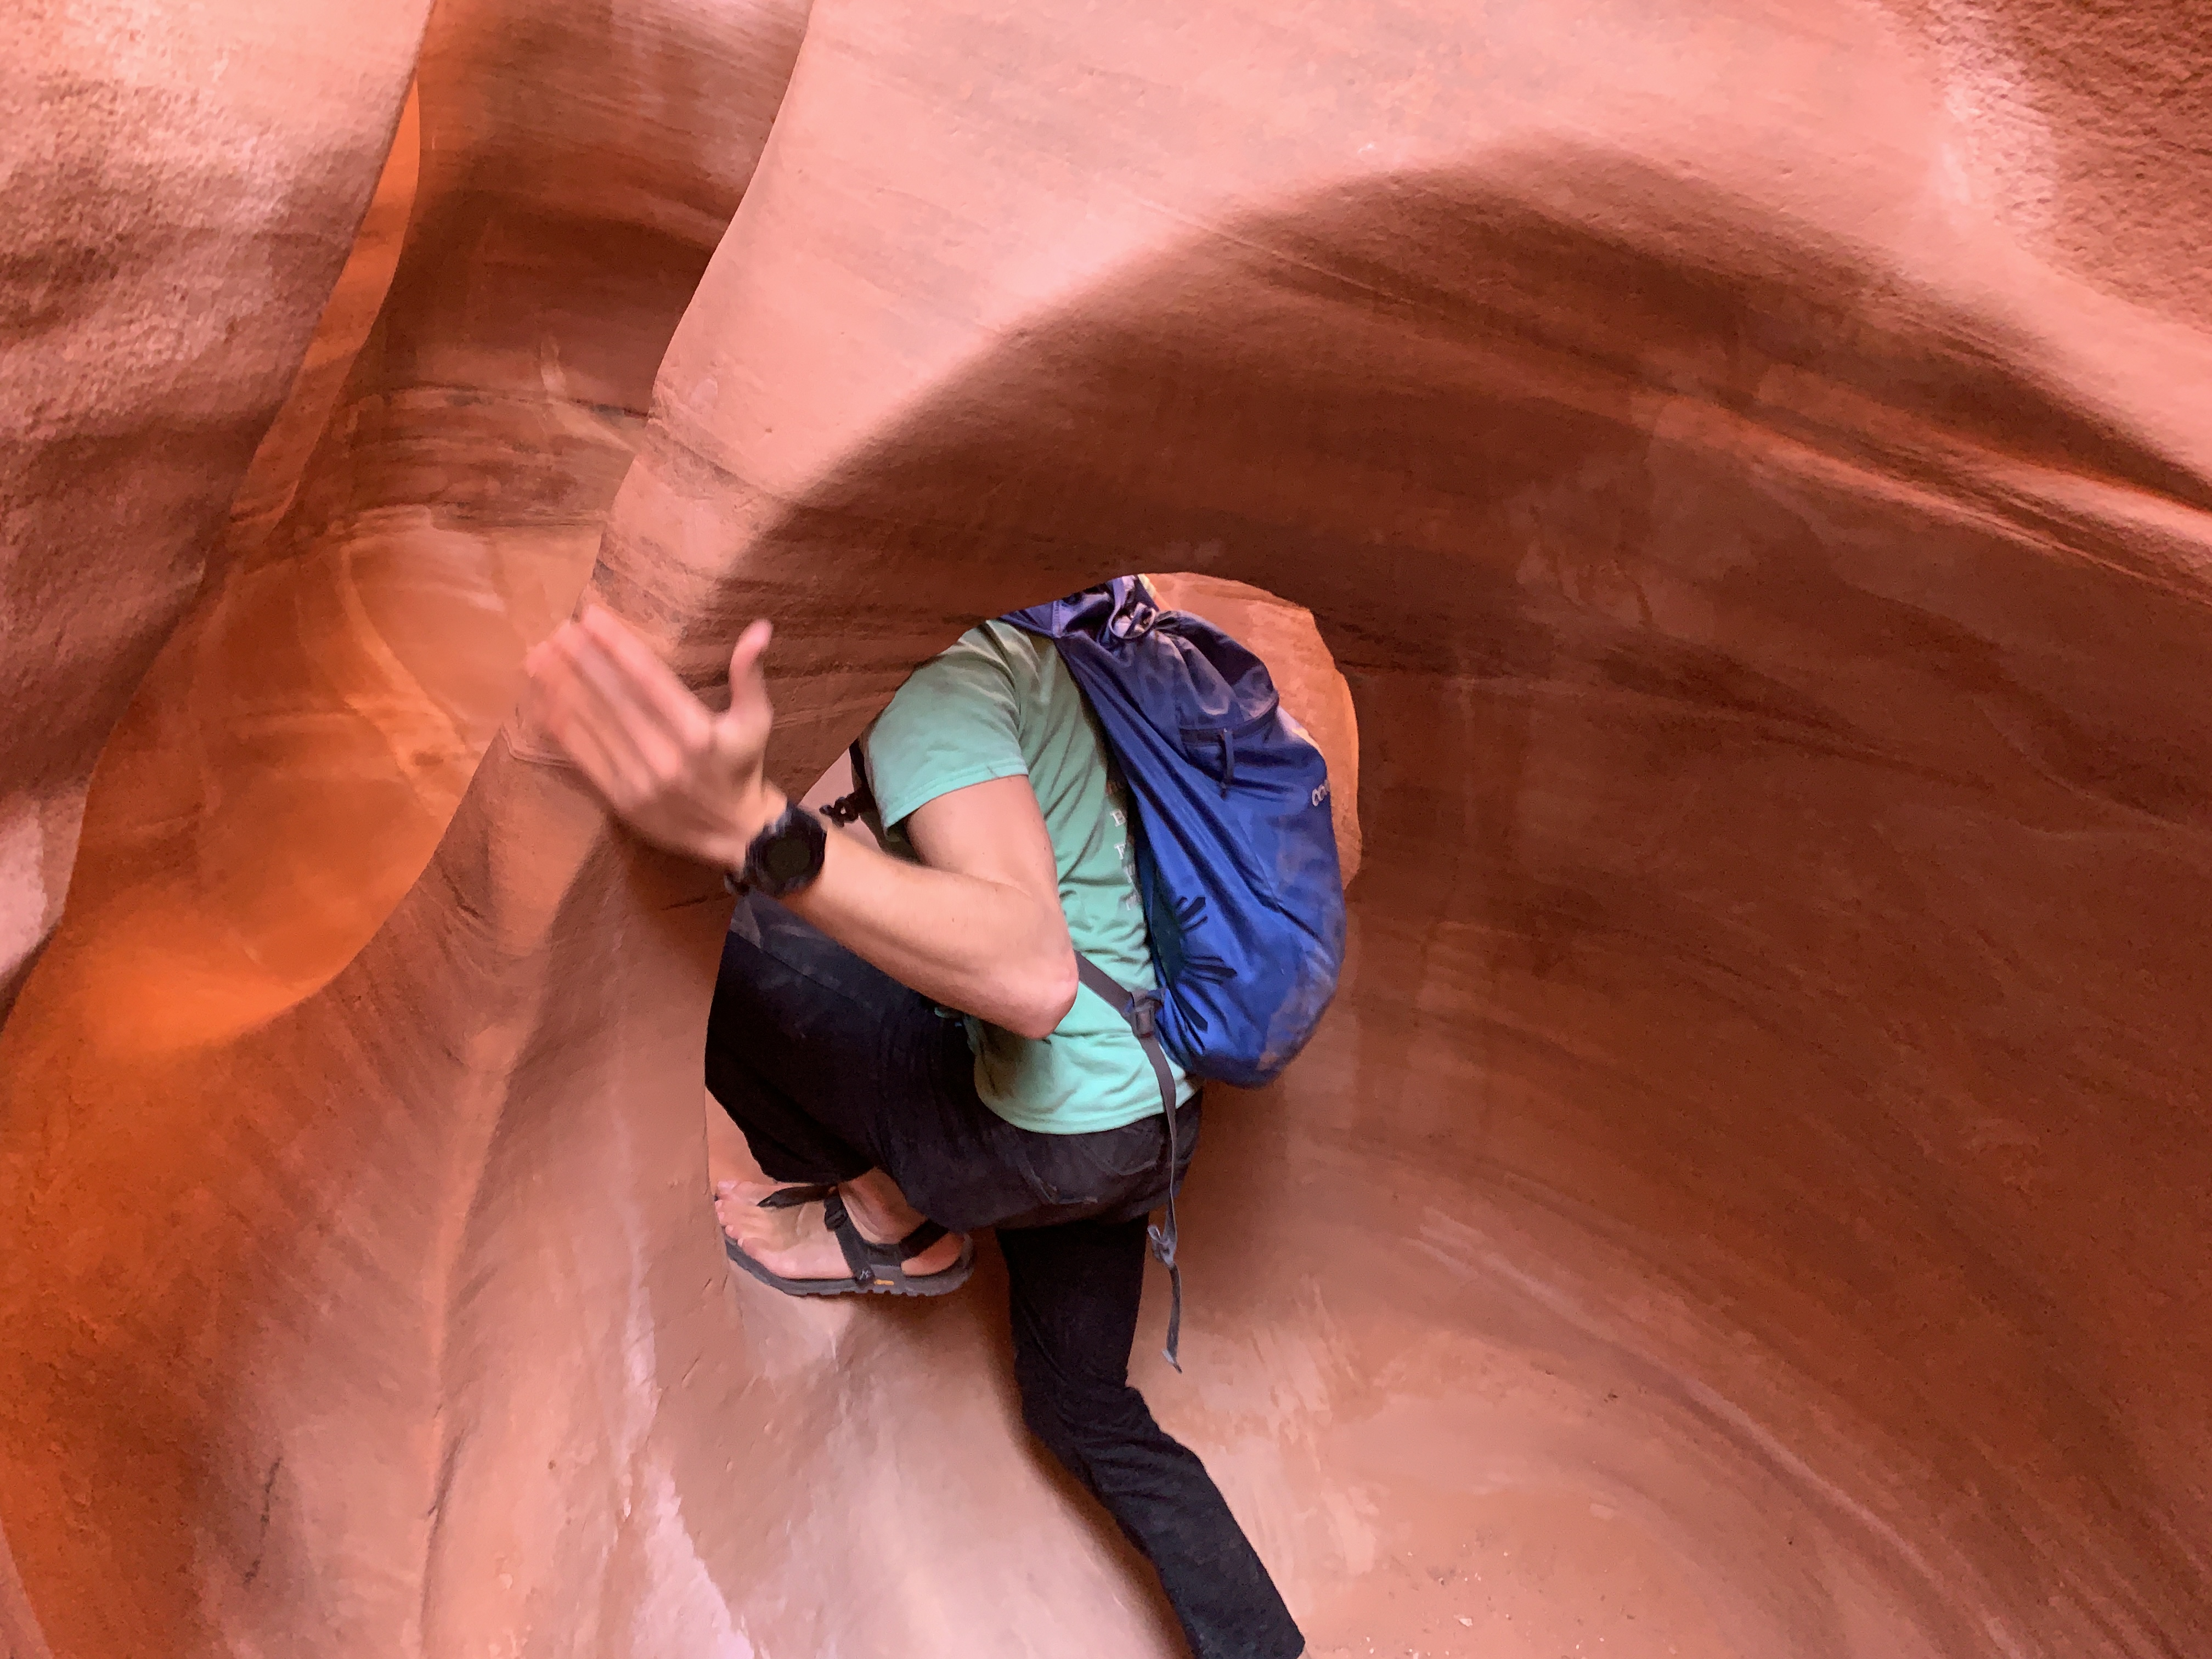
(423, 507)
(1749, 1198)
(182, 189)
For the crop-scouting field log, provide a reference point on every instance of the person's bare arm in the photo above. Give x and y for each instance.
(977, 925)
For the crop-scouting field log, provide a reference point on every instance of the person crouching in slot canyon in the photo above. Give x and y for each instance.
(936, 1036)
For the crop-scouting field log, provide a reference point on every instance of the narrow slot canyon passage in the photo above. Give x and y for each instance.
(1751, 468)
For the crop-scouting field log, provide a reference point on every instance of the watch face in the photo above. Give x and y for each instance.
(787, 858)
(788, 855)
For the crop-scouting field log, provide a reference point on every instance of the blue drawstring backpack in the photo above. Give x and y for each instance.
(1236, 855)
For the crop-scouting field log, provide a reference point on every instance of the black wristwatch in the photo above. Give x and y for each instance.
(785, 857)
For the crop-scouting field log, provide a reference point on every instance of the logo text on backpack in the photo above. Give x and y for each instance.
(1321, 792)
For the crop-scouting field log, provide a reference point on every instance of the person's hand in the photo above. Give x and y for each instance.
(672, 769)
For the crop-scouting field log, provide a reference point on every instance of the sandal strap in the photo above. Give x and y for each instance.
(919, 1240)
(790, 1198)
(839, 1221)
(873, 1263)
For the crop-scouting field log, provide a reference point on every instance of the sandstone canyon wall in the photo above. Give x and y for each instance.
(1751, 465)
(182, 190)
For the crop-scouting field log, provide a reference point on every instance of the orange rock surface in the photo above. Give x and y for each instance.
(1752, 466)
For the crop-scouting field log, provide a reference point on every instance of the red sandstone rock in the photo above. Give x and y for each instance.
(284, 776)
(182, 187)
(1748, 1199)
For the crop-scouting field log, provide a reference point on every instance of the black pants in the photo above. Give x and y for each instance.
(831, 1068)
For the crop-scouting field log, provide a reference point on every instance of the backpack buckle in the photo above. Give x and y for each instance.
(1134, 619)
(1141, 1010)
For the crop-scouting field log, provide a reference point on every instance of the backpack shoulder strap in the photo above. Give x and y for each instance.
(848, 809)
(1138, 1008)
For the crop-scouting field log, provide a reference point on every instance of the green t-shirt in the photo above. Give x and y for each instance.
(999, 703)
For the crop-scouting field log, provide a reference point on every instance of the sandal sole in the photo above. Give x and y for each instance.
(940, 1283)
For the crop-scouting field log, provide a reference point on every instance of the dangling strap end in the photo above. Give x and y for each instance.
(1164, 1247)
(1172, 1352)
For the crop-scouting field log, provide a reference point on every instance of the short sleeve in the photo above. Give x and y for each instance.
(954, 723)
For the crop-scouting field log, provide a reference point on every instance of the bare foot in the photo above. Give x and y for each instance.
(794, 1244)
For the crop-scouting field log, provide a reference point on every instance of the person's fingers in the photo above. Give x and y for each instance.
(621, 721)
(543, 688)
(579, 725)
(744, 659)
(647, 680)
(636, 764)
(537, 665)
(629, 723)
(585, 752)
(749, 704)
(606, 773)
(612, 678)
